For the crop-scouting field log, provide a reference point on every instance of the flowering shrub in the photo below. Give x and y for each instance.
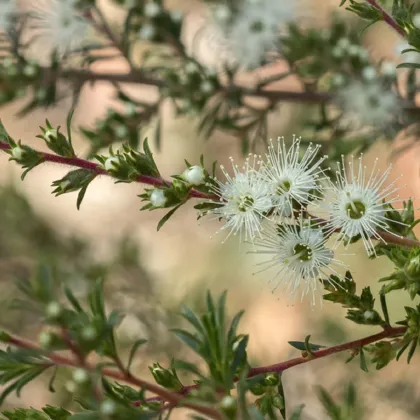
(294, 204)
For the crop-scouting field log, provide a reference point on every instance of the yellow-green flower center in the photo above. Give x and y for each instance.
(355, 209)
(303, 252)
(245, 202)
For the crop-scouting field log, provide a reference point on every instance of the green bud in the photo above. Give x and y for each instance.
(258, 389)
(272, 379)
(229, 406)
(56, 141)
(412, 267)
(89, 333)
(165, 377)
(53, 310)
(278, 401)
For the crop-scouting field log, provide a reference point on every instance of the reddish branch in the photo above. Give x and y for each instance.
(60, 360)
(386, 17)
(159, 182)
(178, 398)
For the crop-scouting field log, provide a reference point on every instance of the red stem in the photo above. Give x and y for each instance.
(282, 366)
(91, 166)
(387, 17)
(61, 360)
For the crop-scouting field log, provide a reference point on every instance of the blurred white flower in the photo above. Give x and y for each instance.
(61, 25)
(299, 257)
(368, 103)
(254, 29)
(158, 198)
(292, 179)
(244, 198)
(359, 201)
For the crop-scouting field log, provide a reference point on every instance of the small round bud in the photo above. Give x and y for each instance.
(338, 79)
(272, 379)
(363, 54)
(369, 73)
(228, 405)
(121, 131)
(108, 407)
(71, 387)
(18, 153)
(368, 315)
(343, 43)
(258, 389)
(45, 339)
(111, 163)
(416, 20)
(388, 69)
(337, 52)
(50, 134)
(176, 15)
(222, 13)
(130, 109)
(278, 401)
(147, 32)
(206, 87)
(29, 70)
(191, 68)
(80, 376)
(53, 309)
(353, 50)
(89, 333)
(158, 198)
(194, 175)
(152, 10)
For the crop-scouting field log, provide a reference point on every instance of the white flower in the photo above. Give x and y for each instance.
(207, 86)
(194, 175)
(222, 13)
(60, 24)
(368, 103)
(53, 309)
(158, 198)
(254, 29)
(292, 179)
(388, 69)
(7, 8)
(359, 202)
(298, 256)
(244, 198)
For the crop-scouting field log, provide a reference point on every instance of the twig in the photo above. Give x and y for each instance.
(159, 182)
(60, 360)
(386, 17)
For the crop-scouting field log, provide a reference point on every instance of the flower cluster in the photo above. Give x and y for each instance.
(253, 30)
(266, 202)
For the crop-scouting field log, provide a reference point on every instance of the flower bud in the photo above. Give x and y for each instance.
(111, 164)
(45, 339)
(228, 405)
(18, 153)
(278, 401)
(272, 379)
(258, 389)
(152, 10)
(89, 333)
(165, 377)
(368, 315)
(416, 20)
(147, 32)
(207, 87)
(388, 69)
(80, 376)
(369, 73)
(412, 267)
(108, 407)
(71, 386)
(53, 310)
(194, 175)
(158, 198)
(222, 13)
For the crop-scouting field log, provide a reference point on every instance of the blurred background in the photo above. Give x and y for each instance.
(149, 274)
